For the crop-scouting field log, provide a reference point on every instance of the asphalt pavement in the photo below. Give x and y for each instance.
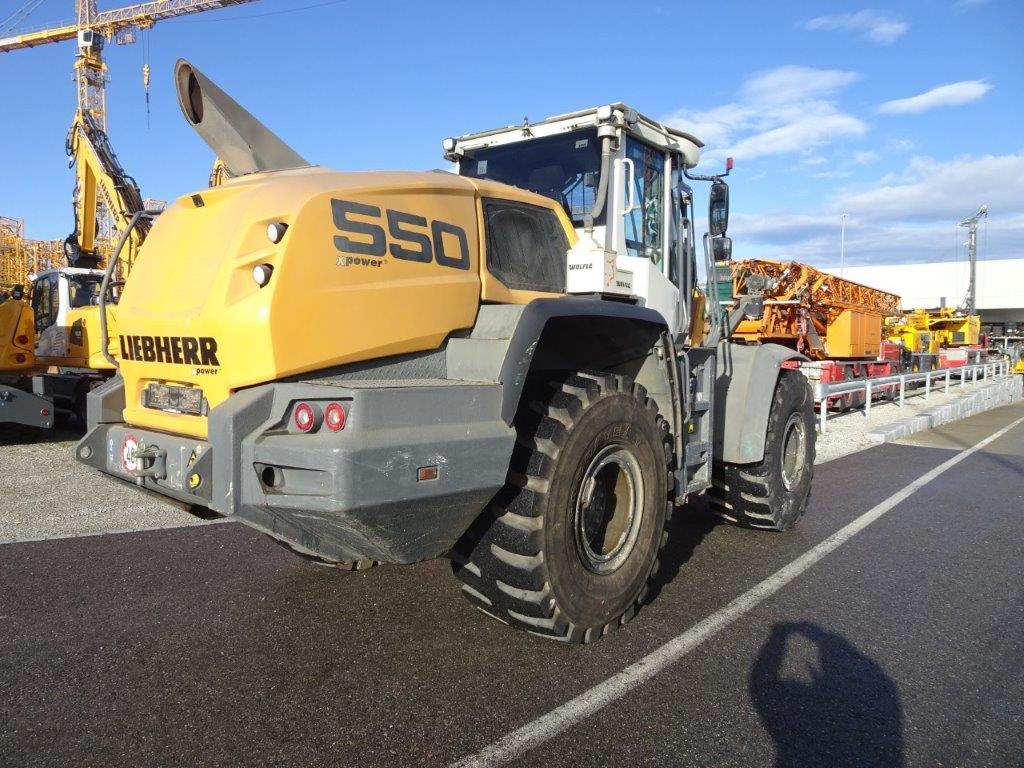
(213, 646)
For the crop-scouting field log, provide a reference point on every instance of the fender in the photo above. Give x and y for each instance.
(744, 390)
(598, 334)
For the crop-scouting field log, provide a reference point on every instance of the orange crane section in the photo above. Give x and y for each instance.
(820, 315)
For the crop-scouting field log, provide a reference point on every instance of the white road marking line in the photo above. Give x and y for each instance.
(558, 720)
(117, 532)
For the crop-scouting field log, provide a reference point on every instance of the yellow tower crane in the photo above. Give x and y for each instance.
(100, 178)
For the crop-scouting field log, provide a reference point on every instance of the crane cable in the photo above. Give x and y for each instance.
(145, 70)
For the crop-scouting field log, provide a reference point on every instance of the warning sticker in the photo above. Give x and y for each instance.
(129, 457)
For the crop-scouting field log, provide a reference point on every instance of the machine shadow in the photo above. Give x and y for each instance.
(689, 526)
(824, 702)
(15, 434)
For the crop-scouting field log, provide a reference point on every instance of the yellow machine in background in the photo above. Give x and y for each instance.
(64, 325)
(912, 331)
(927, 331)
(16, 333)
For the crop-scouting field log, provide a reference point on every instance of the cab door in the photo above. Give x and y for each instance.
(643, 224)
(46, 306)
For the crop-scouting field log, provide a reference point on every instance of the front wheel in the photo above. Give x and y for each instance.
(772, 494)
(567, 548)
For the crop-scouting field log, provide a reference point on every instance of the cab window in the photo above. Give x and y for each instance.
(526, 246)
(645, 222)
(565, 168)
(84, 290)
(46, 301)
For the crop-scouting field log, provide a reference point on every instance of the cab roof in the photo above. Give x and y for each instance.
(616, 114)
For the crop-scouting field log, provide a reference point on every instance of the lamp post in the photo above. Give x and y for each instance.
(842, 246)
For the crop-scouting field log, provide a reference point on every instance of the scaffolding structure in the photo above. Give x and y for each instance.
(21, 258)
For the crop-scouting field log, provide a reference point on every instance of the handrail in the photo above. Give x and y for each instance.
(822, 392)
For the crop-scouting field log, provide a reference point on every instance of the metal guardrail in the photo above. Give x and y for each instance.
(902, 382)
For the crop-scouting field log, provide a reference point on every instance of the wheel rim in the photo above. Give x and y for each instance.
(609, 509)
(793, 454)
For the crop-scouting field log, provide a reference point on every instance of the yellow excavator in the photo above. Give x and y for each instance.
(54, 354)
(503, 365)
(61, 318)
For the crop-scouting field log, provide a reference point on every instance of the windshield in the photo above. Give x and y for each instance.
(84, 290)
(565, 168)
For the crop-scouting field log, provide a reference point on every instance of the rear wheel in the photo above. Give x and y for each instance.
(567, 548)
(772, 494)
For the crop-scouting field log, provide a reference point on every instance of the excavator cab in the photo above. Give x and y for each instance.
(65, 306)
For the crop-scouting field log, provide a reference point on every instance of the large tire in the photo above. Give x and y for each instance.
(773, 493)
(566, 550)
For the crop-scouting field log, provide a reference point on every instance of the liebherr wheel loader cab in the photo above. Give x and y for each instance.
(401, 366)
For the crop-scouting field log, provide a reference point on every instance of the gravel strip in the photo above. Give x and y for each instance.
(45, 493)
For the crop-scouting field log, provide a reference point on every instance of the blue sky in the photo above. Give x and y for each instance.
(905, 116)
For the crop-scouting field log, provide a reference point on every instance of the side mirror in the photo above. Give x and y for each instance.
(721, 248)
(718, 208)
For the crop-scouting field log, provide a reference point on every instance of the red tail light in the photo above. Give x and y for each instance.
(22, 340)
(334, 417)
(305, 417)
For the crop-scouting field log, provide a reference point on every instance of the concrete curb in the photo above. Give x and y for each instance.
(985, 398)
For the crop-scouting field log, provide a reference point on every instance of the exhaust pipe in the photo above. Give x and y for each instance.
(241, 141)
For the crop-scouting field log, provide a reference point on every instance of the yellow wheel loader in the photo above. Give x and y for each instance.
(511, 365)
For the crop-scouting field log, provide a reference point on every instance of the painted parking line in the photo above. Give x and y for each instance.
(558, 720)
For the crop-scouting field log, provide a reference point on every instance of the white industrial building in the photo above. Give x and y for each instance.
(1000, 290)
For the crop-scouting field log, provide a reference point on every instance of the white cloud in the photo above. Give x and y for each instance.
(867, 157)
(898, 145)
(820, 126)
(833, 174)
(906, 217)
(930, 189)
(786, 85)
(875, 26)
(780, 111)
(950, 95)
